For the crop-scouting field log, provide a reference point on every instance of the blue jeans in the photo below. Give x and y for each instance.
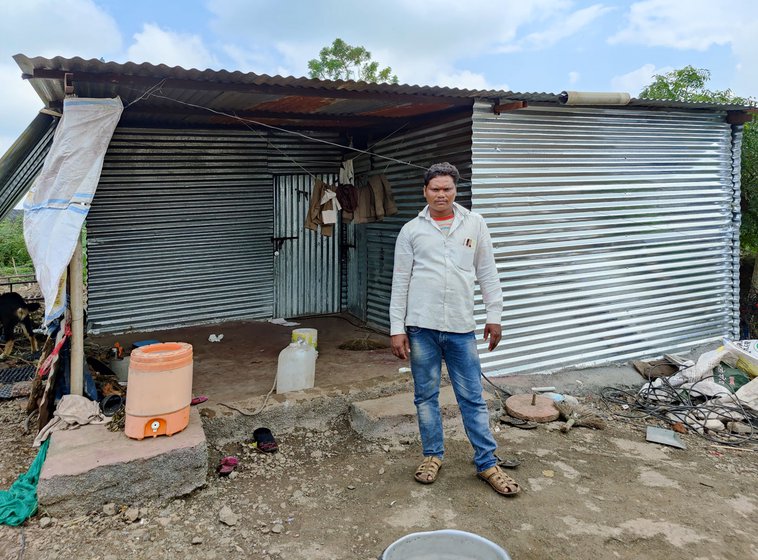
(428, 349)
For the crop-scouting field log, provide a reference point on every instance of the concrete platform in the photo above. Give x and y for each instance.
(90, 466)
(395, 415)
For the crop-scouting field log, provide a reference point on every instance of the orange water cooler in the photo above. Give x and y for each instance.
(159, 390)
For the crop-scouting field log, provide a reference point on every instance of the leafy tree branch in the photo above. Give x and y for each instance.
(341, 61)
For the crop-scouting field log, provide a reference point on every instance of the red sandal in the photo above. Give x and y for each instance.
(227, 465)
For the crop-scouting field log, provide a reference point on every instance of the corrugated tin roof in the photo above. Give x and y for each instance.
(163, 95)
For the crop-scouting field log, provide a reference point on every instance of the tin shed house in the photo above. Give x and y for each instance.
(615, 227)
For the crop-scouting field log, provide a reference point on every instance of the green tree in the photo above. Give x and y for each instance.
(341, 61)
(690, 84)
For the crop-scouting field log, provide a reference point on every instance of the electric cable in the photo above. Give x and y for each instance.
(689, 407)
(500, 393)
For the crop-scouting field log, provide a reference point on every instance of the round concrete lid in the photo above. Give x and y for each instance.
(535, 408)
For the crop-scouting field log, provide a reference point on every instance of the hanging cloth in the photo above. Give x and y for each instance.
(375, 201)
(384, 202)
(330, 205)
(19, 503)
(60, 198)
(347, 173)
(314, 217)
(72, 411)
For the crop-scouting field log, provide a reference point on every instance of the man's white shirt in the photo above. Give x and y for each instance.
(434, 274)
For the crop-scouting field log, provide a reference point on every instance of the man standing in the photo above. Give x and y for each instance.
(438, 256)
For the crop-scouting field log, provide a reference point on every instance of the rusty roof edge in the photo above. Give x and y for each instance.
(29, 64)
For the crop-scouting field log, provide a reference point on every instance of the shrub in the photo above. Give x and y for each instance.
(13, 253)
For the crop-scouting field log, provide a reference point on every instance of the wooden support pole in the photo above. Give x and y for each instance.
(76, 301)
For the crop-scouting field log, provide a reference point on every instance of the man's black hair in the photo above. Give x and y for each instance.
(441, 169)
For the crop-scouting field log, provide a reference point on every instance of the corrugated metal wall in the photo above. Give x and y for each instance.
(23, 161)
(307, 266)
(737, 131)
(180, 229)
(444, 142)
(613, 230)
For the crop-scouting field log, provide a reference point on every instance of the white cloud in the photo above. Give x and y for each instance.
(745, 47)
(81, 29)
(562, 28)
(465, 79)
(419, 40)
(244, 60)
(163, 46)
(681, 24)
(573, 77)
(633, 82)
(47, 28)
(698, 25)
(19, 107)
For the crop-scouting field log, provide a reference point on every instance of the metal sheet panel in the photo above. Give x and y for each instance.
(737, 131)
(23, 161)
(181, 225)
(355, 255)
(307, 266)
(444, 142)
(614, 232)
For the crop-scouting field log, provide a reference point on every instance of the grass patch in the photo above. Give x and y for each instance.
(14, 258)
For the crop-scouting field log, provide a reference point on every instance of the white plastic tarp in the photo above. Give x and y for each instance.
(60, 198)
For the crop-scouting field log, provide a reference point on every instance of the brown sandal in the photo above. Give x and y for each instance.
(428, 470)
(500, 482)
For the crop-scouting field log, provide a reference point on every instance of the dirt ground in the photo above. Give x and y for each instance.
(243, 364)
(331, 495)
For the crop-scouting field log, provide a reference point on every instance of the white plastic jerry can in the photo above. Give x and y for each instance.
(296, 369)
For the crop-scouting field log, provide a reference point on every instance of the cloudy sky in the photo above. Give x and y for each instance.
(521, 45)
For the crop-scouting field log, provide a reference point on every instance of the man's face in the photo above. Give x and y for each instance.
(440, 195)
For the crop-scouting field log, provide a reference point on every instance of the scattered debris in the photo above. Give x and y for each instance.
(578, 416)
(215, 338)
(654, 369)
(132, 514)
(715, 397)
(110, 509)
(665, 437)
(363, 344)
(517, 422)
(739, 427)
(283, 322)
(227, 516)
(679, 427)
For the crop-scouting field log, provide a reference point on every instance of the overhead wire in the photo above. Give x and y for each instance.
(283, 130)
(156, 91)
